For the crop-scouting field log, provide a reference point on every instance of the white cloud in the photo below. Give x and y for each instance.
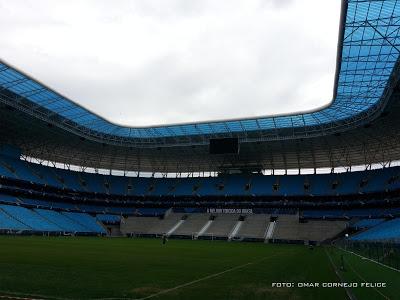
(158, 61)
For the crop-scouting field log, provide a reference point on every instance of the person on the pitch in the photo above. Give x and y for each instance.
(164, 239)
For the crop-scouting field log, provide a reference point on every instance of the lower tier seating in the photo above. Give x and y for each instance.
(254, 226)
(222, 225)
(389, 230)
(366, 223)
(17, 218)
(192, 225)
(288, 227)
(150, 225)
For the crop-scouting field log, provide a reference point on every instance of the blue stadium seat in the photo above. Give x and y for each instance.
(29, 218)
(85, 221)
(65, 223)
(366, 223)
(8, 199)
(227, 185)
(107, 218)
(9, 223)
(389, 230)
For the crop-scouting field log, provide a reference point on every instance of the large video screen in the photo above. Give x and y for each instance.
(224, 146)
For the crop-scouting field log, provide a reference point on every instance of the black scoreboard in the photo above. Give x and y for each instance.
(224, 146)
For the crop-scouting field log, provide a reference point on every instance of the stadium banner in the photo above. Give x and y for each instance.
(230, 210)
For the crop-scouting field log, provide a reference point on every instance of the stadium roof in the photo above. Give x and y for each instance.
(367, 53)
(366, 75)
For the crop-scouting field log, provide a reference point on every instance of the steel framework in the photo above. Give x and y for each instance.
(358, 127)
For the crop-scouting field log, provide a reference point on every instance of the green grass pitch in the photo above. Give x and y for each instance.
(121, 268)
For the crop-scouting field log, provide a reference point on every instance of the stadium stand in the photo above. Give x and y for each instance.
(254, 227)
(221, 226)
(389, 230)
(366, 223)
(359, 128)
(140, 225)
(9, 199)
(233, 185)
(30, 218)
(166, 224)
(7, 222)
(351, 213)
(62, 221)
(289, 228)
(192, 225)
(88, 222)
(44, 220)
(109, 219)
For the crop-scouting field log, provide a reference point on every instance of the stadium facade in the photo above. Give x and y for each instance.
(359, 127)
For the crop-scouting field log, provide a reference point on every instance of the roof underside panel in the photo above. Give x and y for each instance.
(369, 51)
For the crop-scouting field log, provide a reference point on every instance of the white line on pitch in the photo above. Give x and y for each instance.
(363, 279)
(369, 259)
(22, 296)
(18, 298)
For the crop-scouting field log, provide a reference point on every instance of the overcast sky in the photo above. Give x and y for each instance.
(169, 61)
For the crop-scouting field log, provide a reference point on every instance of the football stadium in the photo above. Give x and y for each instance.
(291, 206)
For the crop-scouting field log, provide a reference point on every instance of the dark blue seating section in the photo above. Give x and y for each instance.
(154, 212)
(233, 185)
(353, 213)
(109, 219)
(366, 223)
(18, 218)
(389, 230)
(8, 199)
(83, 208)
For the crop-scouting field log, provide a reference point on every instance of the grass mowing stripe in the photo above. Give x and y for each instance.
(192, 282)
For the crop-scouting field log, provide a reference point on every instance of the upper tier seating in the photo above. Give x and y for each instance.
(258, 185)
